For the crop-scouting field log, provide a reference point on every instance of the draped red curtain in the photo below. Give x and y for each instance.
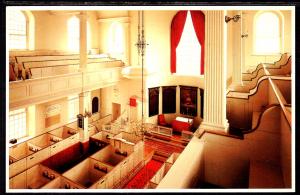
(198, 19)
(176, 32)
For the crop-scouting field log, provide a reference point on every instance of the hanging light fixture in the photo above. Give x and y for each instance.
(141, 46)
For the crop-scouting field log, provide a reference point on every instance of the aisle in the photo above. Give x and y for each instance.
(140, 180)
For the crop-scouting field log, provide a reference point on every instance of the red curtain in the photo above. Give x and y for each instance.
(198, 19)
(176, 32)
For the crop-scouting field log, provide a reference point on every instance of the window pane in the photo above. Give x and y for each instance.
(73, 33)
(116, 40)
(17, 124)
(188, 50)
(267, 33)
(16, 27)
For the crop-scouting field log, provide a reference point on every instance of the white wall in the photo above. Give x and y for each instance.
(40, 115)
(51, 31)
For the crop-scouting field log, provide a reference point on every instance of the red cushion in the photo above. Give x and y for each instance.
(180, 126)
(12, 76)
(161, 119)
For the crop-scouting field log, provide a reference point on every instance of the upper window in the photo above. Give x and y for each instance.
(187, 43)
(17, 124)
(267, 33)
(116, 40)
(73, 34)
(188, 51)
(17, 31)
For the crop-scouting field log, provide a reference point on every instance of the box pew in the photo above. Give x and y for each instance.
(17, 158)
(39, 175)
(64, 132)
(103, 136)
(44, 140)
(72, 155)
(61, 183)
(87, 173)
(108, 155)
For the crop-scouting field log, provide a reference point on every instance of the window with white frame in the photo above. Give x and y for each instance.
(17, 124)
(116, 40)
(73, 33)
(17, 31)
(267, 33)
(188, 50)
(73, 107)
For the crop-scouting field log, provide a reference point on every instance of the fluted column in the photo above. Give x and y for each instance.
(214, 117)
(237, 50)
(83, 40)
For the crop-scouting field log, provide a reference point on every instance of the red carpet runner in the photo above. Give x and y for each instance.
(140, 180)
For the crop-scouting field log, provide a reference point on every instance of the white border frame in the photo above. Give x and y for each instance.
(291, 8)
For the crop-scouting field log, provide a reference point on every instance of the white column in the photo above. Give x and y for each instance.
(214, 116)
(83, 40)
(160, 100)
(237, 50)
(177, 100)
(84, 106)
(126, 43)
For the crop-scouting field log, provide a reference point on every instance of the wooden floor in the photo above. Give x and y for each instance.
(265, 175)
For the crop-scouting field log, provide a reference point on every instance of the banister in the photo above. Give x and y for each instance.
(282, 102)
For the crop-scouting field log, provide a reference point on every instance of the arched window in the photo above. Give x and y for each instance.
(187, 43)
(267, 33)
(73, 34)
(116, 40)
(95, 105)
(17, 29)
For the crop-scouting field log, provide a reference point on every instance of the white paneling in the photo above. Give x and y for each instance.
(39, 88)
(17, 92)
(59, 84)
(75, 81)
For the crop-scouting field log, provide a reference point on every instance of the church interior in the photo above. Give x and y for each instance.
(163, 98)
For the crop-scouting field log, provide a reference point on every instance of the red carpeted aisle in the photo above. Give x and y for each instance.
(140, 180)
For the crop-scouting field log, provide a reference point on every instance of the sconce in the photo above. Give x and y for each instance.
(234, 18)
